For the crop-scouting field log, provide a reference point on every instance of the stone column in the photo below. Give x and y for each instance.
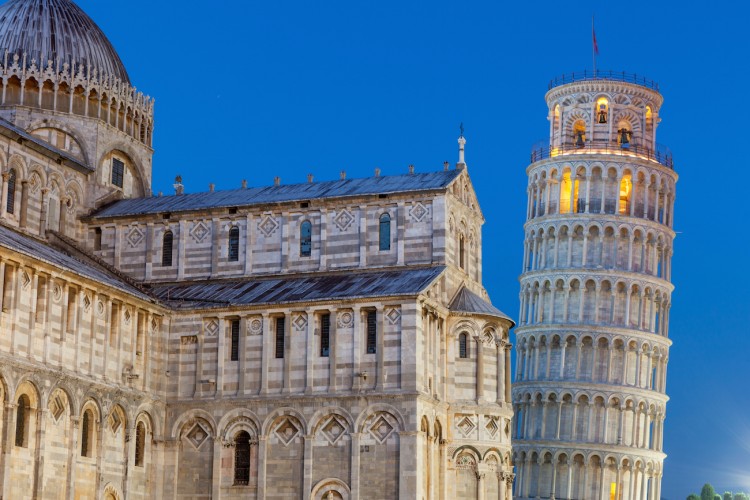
(4, 195)
(221, 356)
(23, 216)
(262, 449)
(241, 365)
(508, 390)
(267, 343)
(332, 355)
(312, 332)
(9, 428)
(380, 336)
(308, 465)
(73, 453)
(407, 483)
(354, 468)
(288, 353)
(500, 347)
(480, 369)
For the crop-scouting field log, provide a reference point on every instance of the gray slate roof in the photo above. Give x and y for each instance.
(15, 133)
(284, 290)
(39, 250)
(469, 302)
(284, 193)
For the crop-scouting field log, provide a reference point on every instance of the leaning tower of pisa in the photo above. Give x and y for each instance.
(593, 336)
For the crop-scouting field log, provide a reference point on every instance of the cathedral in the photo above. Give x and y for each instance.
(325, 340)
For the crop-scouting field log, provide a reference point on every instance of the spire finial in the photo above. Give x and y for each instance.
(461, 144)
(461, 128)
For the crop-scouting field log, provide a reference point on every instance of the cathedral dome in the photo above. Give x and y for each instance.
(57, 30)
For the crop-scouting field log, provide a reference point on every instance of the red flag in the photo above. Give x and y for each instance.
(593, 36)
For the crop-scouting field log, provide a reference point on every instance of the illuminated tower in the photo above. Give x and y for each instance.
(592, 340)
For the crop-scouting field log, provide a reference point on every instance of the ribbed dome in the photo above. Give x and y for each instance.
(60, 31)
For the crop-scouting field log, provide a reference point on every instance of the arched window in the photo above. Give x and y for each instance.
(166, 249)
(22, 421)
(385, 232)
(602, 110)
(626, 188)
(87, 434)
(463, 346)
(242, 459)
(305, 239)
(579, 133)
(10, 206)
(140, 444)
(234, 244)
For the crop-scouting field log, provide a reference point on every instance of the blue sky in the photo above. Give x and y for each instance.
(252, 90)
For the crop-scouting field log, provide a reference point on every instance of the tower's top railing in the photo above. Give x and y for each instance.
(617, 76)
(660, 154)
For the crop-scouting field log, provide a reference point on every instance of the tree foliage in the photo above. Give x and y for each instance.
(693, 496)
(708, 492)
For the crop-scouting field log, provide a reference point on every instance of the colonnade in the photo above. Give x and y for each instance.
(598, 246)
(77, 91)
(577, 476)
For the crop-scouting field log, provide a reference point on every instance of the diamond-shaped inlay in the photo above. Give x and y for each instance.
(393, 315)
(333, 430)
(197, 435)
(135, 237)
(466, 426)
(114, 422)
(56, 407)
(212, 327)
(381, 429)
(343, 220)
(25, 279)
(127, 316)
(286, 431)
(100, 308)
(199, 232)
(34, 183)
(300, 322)
(268, 225)
(86, 303)
(418, 212)
(492, 427)
(154, 325)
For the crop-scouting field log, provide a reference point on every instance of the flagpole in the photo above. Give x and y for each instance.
(593, 44)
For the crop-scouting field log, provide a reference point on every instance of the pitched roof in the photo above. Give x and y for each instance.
(18, 134)
(469, 302)
(39, 250)
(283, 193)
(290, 289)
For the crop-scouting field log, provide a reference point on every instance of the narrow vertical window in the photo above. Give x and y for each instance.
(463, 347)
(22, 421)
(140, 444)
(461, 252)
(234, 244)
(11, 204)
(242, 459)
(385, 232)
(235, 353)
(118, 172)
(325, 335)
(166, 249)
(86, 434)
(97, 239)
(371, 332)
(305, 239)
(280, 337)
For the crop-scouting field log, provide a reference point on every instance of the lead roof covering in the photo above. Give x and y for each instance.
(290, 289)
(469, 302)
(38, 250)
(283, 193)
